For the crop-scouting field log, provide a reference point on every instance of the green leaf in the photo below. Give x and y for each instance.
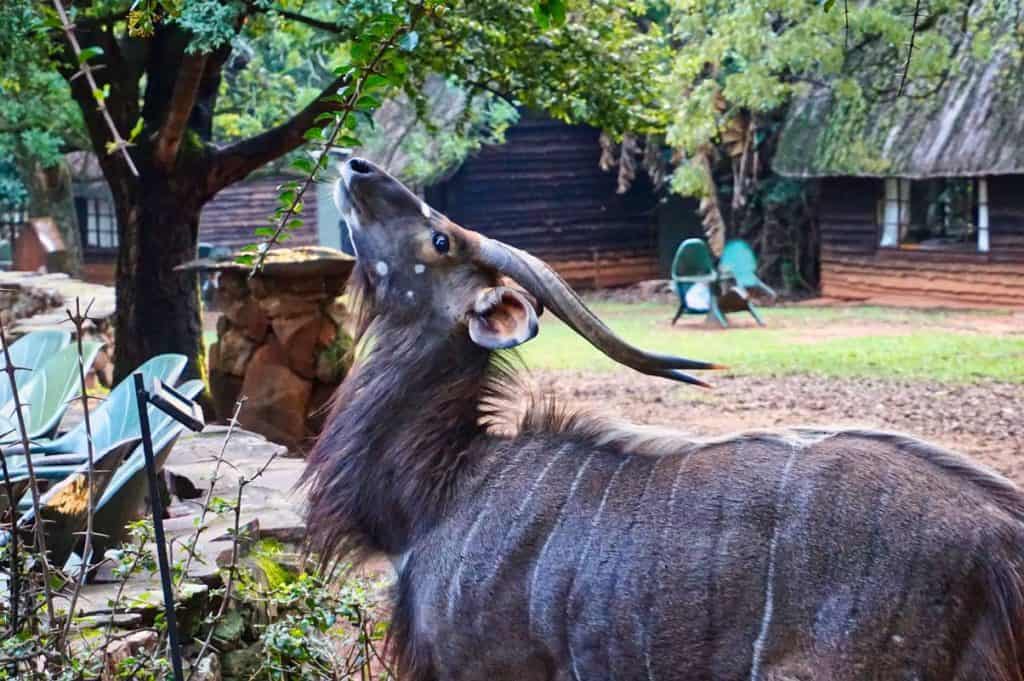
(249, 248)
(361, 52)
(313, 134)
(88, 53)
(829, 4)
(304, 163)
(264, 231)
(286, 197)
(136, 129)
(245, 259)
(375, 81)
(367, 103)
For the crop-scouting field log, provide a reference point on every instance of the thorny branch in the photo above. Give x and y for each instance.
(345, 111)
(190, 548)
(37, 519)
(79, 319)
(233, 567)
(84, 69)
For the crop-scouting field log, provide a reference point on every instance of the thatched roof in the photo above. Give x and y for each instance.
(973, 125)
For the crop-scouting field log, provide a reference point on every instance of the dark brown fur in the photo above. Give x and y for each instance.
(572, 547)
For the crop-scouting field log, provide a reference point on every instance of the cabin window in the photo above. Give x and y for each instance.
(939, 213)
(97, 224)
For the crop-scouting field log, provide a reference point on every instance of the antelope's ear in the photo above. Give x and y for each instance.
(501, 318)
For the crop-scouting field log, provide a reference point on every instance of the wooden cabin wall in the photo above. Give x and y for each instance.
(543, 191)
(854, 267)
(230, 218)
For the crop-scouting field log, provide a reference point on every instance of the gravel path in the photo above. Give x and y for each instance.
(984, 420)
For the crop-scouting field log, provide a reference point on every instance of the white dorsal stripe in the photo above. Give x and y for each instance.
(769, 592)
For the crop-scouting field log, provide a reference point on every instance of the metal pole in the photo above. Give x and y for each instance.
(157, 506)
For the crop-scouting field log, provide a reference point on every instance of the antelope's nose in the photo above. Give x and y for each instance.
(359, 171)
(358, 166)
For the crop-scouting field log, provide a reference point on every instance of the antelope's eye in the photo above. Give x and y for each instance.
(441, 244)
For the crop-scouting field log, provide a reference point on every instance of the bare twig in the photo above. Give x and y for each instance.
(37, 520)
(345, 111)
(233, 567)
(194, 539)
(910, 50)
(12, 500)
(78, 319)
(85, 69)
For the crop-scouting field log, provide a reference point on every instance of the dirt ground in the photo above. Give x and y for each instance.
(984, 420)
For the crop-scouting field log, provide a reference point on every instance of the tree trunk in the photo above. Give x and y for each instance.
(158, 309)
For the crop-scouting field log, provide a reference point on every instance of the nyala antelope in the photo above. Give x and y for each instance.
(576, 550)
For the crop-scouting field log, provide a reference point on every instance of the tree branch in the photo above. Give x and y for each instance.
(183, 99)
(310, 21)
(233, 162)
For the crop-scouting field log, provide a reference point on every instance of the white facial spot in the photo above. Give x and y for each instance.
(419, 268)
(410, 295)
(382, 268)
(425, 209)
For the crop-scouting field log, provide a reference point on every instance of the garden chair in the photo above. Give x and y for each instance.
(694, 278)
(28, 353)
(116, 417)
(119, 485)
(48, 393)
(64, 505)
(120, 488)
(738, 259)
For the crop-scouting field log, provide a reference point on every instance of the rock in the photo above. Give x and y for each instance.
(225, 389)
(337, 310)
(276, 397)
(207, 669)
(328, 332)
(298, 336)
(233, 353)
(227, 633)
(248, 316)
(318, 405)
(241, 664)
(213, 356)
(134, 644)
(285, 305)
(231, 286)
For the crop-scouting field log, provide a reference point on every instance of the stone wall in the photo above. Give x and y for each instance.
(31, 301)
(281, 342)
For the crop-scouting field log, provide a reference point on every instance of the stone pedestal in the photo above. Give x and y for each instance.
(280, 341)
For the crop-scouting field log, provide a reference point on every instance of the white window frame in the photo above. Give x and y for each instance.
(895, 213)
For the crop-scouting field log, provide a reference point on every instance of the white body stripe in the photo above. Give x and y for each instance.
(769, 592)
(547, 542)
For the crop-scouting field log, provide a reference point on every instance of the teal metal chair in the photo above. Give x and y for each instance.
(738, 259)
(119, 484)
(694, 278)
(737, 272)
(727, 287)
(116, 416)
(29, 353)
(48, 393)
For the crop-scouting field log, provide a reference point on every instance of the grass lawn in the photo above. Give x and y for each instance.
(952, 346)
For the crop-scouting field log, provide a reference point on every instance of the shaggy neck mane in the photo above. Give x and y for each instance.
(402, 433)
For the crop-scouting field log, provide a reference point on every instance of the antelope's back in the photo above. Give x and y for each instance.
(848, 556)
